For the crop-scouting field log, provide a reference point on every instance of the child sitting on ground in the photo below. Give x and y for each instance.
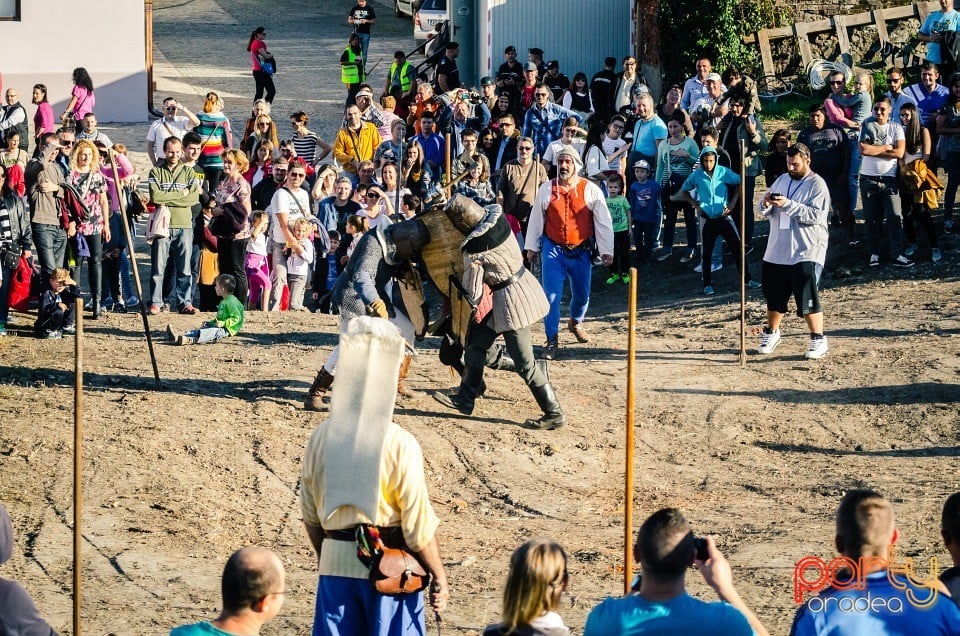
(227, 323)
(56, 314)
(298, 263)
(620, 214)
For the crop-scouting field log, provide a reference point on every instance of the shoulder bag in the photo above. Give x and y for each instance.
(393, 571)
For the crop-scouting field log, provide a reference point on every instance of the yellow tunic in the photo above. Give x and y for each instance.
(404, 501)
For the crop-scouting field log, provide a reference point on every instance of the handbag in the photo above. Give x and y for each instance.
(20, 285)
(393, 571)
(10, 257)
(268, 68)
(158, 223)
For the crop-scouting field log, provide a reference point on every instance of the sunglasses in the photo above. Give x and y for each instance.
(168, 108)
(373, 195)
(833, 83)
(298, 175)
(539, 94)
(525, 148)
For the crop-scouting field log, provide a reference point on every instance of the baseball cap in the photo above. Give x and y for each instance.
(364, 92)
(535, 51)
(552, 64)
(487, 81)
(530, 66)
(714, 77)
(643, 163)
(510, 49)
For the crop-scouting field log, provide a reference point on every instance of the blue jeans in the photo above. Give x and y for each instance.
(559, 266)
(180, 245)
(881, 200)
(126, 280)
(853, 177)
(364, 43)
(51, 244)
(351, 606)
(205, 335)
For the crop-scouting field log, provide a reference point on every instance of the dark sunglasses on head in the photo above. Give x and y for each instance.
(798, 149)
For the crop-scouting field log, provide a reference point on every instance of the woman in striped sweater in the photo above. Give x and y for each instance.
(215, 135)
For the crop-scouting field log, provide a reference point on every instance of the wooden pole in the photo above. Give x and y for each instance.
(77, 461)
(743, 252)
(628, 473)
(121, 200)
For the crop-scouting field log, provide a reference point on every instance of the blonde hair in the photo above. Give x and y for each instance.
(537, 578)
(238, 157)
(212, 103)
(299, 223)
(94, 161)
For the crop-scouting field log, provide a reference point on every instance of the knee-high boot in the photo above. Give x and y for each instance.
(553, 416)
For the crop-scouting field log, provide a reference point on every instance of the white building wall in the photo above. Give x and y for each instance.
(577, 33)
(54, 36)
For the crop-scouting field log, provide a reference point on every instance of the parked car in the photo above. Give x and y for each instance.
(405, 7)
(427, 16)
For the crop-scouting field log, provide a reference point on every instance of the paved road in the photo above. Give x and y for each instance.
(200, 45)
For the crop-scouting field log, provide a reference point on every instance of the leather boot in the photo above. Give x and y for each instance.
(503, 361)
(321, 384)
(96, 308)
(552, 417)
(465, 398)
(577, 330)
(402, 389)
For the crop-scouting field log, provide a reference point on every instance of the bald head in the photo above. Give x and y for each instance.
(865, 524)
(251, 574)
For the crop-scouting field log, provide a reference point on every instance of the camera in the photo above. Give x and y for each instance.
(702, 549)
(474, 97)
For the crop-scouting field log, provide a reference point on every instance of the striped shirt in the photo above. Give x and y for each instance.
(307, 146)
(214, 131)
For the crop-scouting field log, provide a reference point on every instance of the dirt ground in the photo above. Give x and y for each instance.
(175, 480)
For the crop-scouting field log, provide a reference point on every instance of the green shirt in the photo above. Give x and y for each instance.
(619, 212)
(230, 314)
(198, 629)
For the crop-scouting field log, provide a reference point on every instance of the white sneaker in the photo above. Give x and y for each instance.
(874, 260)
(818, 348)
(699, 268)
(716, 267)
(935, 255)
(902, 261)
(768, 341)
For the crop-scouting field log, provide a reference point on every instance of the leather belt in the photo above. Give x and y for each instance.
(349, 533)
(510, 281)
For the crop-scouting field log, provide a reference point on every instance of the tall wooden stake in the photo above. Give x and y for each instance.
(743, 252)
(77, 461)
(133, 266)
(628, 473)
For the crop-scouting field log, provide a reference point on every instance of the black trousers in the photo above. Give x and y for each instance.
(265, 87)
(519, 346)
(712, 229)
(231, 254)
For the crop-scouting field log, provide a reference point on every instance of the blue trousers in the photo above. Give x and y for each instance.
(559, 266)
(350, 607)
(51, 244)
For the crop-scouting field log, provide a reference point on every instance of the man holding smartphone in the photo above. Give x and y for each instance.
(797, 205)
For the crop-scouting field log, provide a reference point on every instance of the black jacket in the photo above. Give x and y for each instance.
(19, 221)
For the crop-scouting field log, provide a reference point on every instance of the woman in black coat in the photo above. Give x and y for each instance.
(15, 237)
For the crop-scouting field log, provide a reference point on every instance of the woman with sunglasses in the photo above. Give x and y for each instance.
(577, 97)
(264, 129)
(259, 54)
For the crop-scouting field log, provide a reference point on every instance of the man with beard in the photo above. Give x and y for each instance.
(797, 205)
(568, 214)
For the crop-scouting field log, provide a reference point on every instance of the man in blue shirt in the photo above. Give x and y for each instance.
(882, 605)
(665, 548)
(931, 32)
(544, 121)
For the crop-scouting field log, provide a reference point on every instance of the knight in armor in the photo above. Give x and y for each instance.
(370, 286)
(492, 262)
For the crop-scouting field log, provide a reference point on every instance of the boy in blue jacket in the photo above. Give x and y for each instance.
(644, 210)
(716, 201)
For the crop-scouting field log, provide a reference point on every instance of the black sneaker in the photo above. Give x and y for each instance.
(902, 261)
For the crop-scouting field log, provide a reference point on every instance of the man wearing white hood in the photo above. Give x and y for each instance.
(360, 468)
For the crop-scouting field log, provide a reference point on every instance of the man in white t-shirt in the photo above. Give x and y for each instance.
(567, 138)
(882, 143)
(170, 125)
(290, 202)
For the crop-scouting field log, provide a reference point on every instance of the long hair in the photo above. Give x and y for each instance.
(537, 578)
(912, 131)
(43, 89)
(580, 75)
(94, 160)
(594, 138)
(82, 78)
(6, 190)
(416, 169)
(253, 36)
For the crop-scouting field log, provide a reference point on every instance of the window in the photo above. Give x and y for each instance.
(10, 10)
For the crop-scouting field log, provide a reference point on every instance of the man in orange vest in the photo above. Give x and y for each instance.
(568, 216)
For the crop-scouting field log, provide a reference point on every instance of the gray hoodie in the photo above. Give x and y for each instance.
(18, 614)
(798, 230)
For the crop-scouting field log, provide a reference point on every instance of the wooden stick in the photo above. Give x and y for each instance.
(133, 266)
(743, 253)
(77, 461)
(628, 486)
